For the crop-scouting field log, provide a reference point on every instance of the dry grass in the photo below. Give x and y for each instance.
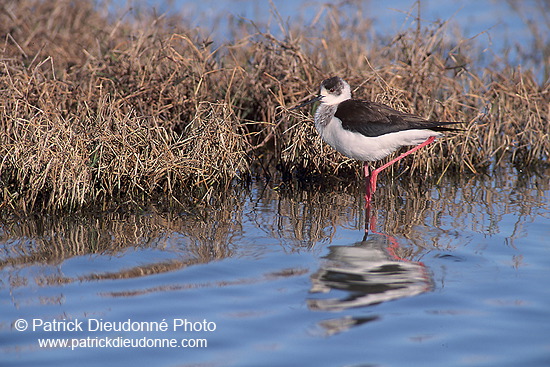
(97, 112)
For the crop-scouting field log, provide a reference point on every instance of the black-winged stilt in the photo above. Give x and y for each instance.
(369, 131)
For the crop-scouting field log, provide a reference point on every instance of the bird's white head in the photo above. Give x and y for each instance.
(334, 91)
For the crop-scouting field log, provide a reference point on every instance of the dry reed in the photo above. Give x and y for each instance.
(96, 112)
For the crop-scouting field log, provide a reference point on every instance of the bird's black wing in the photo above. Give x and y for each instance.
(374, 119)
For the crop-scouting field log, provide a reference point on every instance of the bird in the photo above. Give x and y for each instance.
(369, 131)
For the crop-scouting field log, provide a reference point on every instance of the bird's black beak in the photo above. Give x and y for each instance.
(318, 98)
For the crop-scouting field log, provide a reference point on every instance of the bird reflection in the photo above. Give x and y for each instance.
(368, 272)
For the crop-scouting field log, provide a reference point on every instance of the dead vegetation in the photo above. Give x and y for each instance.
(96, 111)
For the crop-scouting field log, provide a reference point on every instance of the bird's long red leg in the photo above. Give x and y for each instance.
(368, 220)
(368, 192)
(368, 197)
(374, 174)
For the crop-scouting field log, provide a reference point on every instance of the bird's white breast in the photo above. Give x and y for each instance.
(363, 148)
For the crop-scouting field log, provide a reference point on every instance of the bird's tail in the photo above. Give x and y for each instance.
(443, 125)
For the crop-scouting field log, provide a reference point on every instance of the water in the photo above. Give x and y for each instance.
(499, 32)
(450, 274)
(499, 27)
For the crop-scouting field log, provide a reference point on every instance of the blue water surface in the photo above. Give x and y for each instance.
(501, 29)
(287, 278)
